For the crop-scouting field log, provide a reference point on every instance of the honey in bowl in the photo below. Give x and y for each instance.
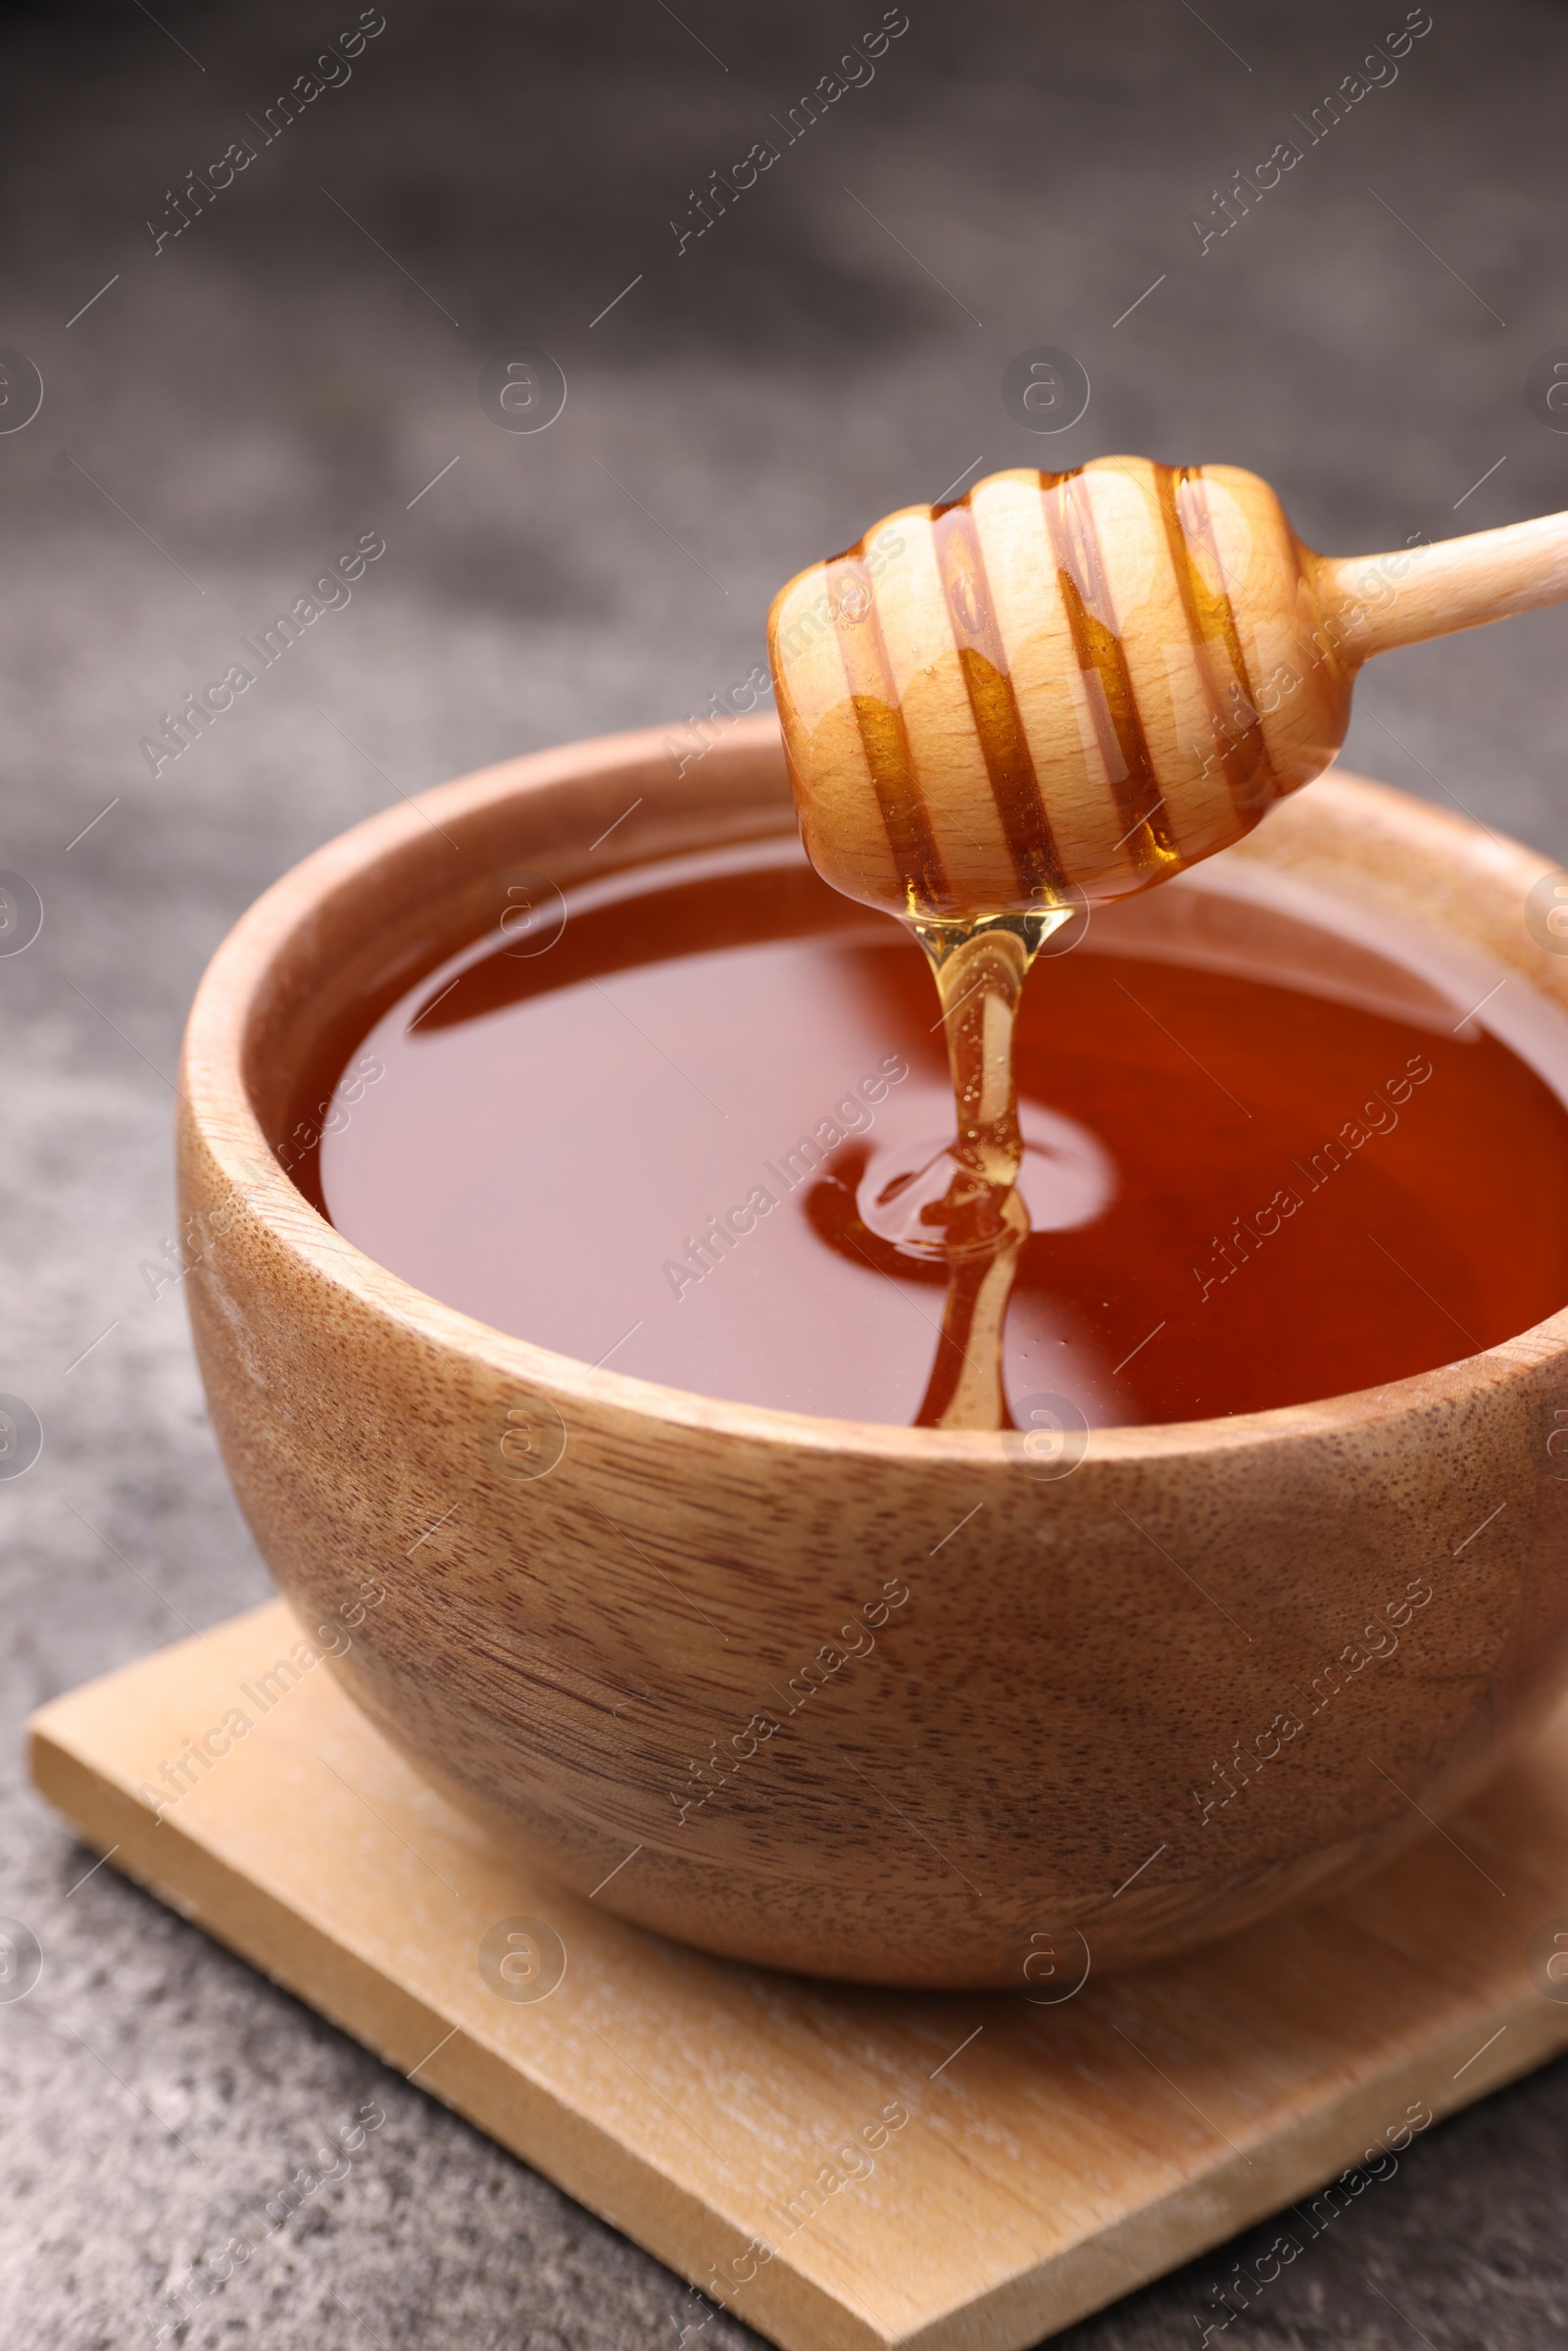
(691, 1125)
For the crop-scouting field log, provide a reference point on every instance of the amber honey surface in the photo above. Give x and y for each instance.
(1262, 1165)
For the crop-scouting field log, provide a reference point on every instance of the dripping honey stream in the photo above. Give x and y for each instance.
(980, 968)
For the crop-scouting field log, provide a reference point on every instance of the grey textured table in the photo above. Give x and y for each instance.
(291, 370)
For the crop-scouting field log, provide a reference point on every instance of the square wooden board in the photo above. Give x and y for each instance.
(1051, 2157)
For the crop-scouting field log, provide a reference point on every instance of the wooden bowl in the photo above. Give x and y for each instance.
(627, 1577)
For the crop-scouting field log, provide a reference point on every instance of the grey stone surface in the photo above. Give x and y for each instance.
(293, 368)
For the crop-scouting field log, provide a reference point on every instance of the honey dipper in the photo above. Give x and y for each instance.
(1064, 688)
(1069, 686)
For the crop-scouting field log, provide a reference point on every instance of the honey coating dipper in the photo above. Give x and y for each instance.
(1069, 686)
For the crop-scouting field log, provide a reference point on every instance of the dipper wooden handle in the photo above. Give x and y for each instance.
(1071, 685)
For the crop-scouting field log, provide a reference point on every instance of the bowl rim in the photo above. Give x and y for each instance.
(216, 1112)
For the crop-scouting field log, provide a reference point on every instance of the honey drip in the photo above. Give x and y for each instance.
(982, 1221)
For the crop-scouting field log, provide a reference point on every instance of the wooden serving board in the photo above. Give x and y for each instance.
(844, 2169)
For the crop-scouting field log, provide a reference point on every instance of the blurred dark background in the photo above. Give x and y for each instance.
(231, 409)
